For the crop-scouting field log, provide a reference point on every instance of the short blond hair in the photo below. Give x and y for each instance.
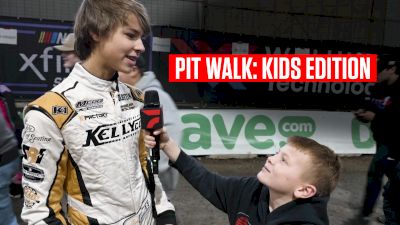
(325, 164)
(101, 17)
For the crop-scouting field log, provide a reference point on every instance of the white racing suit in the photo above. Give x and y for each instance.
(81, 140)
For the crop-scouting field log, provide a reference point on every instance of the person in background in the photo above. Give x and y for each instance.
(147, 80)
(68, 53)
(293, 187)
(14, 122)
(9, 110)
(383, 112)
(9, 164)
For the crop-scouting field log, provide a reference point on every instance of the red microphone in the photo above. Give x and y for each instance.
(152, 119)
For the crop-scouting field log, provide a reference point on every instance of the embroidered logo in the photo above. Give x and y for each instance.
(56, 110)
(31, 197)
(242, 219)
(89, 104)
(33, 155)
(32, 173)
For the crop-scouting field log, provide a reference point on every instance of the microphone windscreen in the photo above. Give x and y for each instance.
(151, 99)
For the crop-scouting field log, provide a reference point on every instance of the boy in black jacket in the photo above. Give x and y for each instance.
(293, 186)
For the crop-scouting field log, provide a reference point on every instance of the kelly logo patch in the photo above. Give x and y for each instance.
(112, 132)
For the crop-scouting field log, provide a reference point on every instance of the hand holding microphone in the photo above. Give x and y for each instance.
(152, 119)
(156, 136)
(167, 144)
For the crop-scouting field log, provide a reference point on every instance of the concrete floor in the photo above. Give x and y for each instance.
(345, 201)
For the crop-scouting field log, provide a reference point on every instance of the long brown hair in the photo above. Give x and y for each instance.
(101, 17)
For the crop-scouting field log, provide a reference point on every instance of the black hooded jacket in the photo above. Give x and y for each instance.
(385, 103)
(245, 199)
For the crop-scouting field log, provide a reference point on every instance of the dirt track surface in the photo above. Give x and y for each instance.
(345, 203)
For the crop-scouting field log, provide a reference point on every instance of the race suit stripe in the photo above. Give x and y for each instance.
(80, 218)
(76, 83)
(76, 186)
(92, 221)
(56, 192)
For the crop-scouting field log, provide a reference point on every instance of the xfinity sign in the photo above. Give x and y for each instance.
(44, 60)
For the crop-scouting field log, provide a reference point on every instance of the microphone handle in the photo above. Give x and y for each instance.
(155, 154)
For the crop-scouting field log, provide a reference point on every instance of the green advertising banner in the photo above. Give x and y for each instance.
(247, 132)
